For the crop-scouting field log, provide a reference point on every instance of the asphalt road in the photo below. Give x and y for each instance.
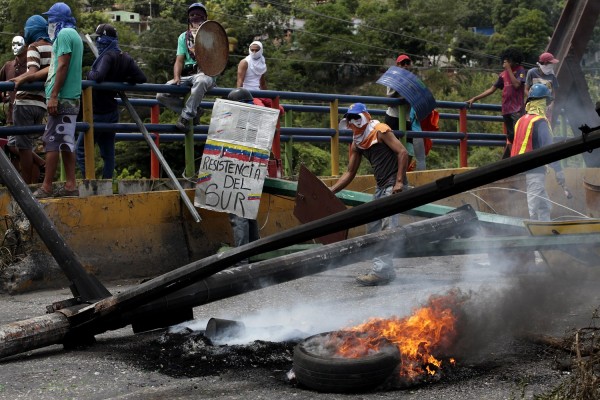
(503, 303)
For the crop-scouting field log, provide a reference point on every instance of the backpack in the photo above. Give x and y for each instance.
(431, 124)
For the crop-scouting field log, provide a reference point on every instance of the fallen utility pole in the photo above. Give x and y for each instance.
(99, 316)
(84, 286)
(55, 328)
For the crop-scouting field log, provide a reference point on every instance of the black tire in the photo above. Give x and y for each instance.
(339, 375)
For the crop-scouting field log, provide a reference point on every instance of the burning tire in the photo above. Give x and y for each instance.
(317, 367)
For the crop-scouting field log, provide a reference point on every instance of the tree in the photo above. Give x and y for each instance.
(529, 32)
(162, 40)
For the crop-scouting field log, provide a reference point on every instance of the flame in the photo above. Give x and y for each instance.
(421, 337)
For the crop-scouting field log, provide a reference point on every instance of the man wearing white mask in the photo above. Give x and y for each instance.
(544, 73)
(376, 142)
(12, 69)
(252, 69)
(252, 72)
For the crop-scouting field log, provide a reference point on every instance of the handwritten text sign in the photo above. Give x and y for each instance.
(234, 163)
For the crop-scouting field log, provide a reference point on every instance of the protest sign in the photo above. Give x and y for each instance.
(235, 158)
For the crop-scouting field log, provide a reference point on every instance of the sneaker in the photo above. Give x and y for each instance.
(182, 124)
(372, 279)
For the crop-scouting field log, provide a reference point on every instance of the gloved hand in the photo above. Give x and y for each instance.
(560, 178)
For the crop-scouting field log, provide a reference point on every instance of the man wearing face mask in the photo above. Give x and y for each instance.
(186, 72)
(112, 65)
(251, 74)
(415, 146)
(533, 131)
(376, 142)
(63, 94)
(544, 73)
(12, 69)
(30, 107)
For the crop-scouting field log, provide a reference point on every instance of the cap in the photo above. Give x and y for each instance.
(105, 30)
(59, 9)
(402, 57)
(197, 5)
(547, 58)
(356, 108)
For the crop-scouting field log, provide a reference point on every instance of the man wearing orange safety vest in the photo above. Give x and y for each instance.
(532, 131)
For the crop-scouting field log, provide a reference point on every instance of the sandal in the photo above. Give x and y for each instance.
(63, 192)
(40, 193)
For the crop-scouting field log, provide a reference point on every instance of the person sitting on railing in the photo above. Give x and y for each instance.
(512, 83)
(251, 74)
(186, 72)
(388, 157)
(112, 65)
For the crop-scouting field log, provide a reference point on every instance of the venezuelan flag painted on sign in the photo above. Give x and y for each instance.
(237, 152)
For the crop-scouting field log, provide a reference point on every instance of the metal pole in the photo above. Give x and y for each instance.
(359, 215)
(83, 285)
(43, 331)
(163, 162)
(88, 142)
(154, 164)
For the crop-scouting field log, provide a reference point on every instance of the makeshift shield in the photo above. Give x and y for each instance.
(211, 47)
(411, 88)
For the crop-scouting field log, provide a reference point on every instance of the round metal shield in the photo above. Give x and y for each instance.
(212, 48)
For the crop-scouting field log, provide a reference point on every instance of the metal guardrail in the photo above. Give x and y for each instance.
(286, 134)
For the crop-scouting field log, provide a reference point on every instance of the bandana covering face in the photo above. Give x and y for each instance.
(546, 69)
(36, 28)
(256, 61)
(537, 106)
(105, 44)
(364, 136)
(59, 20)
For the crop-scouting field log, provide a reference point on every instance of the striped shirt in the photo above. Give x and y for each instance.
(38, 56)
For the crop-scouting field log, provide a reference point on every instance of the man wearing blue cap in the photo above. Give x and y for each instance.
(63, 94)
(376, 142)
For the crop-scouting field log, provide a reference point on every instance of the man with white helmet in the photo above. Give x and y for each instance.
(186, 72)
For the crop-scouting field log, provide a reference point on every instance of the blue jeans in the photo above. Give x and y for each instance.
(106, 143)
(200, 84)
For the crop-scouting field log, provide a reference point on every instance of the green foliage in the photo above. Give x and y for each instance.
(126, 174)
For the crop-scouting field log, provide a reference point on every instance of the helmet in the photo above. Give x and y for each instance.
(539, 90)
(196, 5)
(240, 94)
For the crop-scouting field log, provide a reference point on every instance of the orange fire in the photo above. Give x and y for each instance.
(429, 331)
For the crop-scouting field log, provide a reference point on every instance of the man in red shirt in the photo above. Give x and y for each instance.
(512, 83)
